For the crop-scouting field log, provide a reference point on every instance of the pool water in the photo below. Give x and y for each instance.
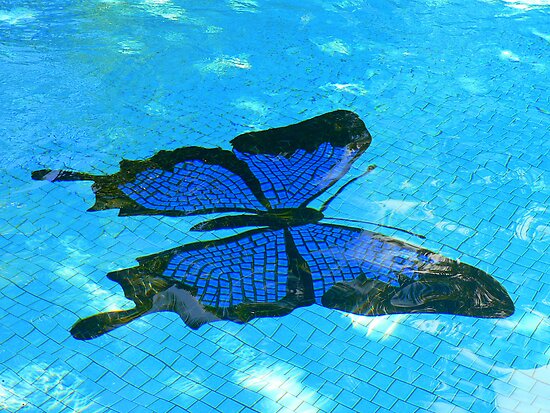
(456, 99)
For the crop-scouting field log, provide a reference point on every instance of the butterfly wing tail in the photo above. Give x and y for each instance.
(139, 288)
(56, 175)
(99, 324)
(151, 293)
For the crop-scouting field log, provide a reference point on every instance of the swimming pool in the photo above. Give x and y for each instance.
(456, 99)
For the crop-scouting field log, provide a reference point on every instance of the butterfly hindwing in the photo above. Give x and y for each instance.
(250, 267)
(367, 273)
(253, 274)
(296, 163)
(338, 253)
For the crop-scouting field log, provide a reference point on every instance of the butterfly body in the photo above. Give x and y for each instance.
(290, 257)
(274, 219)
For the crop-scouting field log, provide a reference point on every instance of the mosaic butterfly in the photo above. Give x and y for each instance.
(292, 257)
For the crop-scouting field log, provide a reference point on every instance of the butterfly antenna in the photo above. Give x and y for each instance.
(328, 201)
(378, 225)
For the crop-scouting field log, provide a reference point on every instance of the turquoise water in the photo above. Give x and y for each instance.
(456, 98)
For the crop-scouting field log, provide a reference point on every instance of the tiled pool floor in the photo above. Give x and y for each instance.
(456, 99)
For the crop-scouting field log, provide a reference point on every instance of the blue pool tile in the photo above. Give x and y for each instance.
(112, 382)
(404, 407)
(168, 393)
(332, 376)
(482, 406)
(283, 335)
(314, 382)
(366, 406)
(426, 351)
(145, 399)
(421, 398)
(117, 365)
(94, 372)
(384, 400)
(212, 382)
(385, 366)
(229, 389)
(124, 406)
(406, 375)
(183, 402)
(326, 404)
(285, 410)
(426, 380)
(289, 401)
(402, 389)
(348, 398)
(108, 398)
(540, 389)
(134, 354)
(366, 390)
(381, 381)
(136, 377)
(328, 360)
(465, 386)
(248, 410)
(347, 367)
(315, 368)
(508, 406)
(464, 400)
(154, 386)
(213, 399)
(247, 397)
(342, 409)
(220, 370)
(364, 373)
(406, 348)
(329, 390)
(320, 339)
(284, 354)
(182, 365)
(522, 364)
(299, 360)
(267, 405)
(79, 362)
(300, 346)
(269, 346)
(353, 354)
(469, 152)
(204, 361)
(523, 396)
(505, 357)
(161, 405)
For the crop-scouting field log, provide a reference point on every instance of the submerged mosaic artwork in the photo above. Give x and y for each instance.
(292, 257)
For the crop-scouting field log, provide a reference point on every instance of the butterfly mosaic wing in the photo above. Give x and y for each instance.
(237, 278)
(186, 181)
(366, 273)
(296, 163)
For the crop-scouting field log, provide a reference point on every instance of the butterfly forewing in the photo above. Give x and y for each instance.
(186, 181)
(296, 163)
(191, 187)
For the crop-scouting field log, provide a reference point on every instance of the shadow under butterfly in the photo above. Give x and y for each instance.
(294, 257)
